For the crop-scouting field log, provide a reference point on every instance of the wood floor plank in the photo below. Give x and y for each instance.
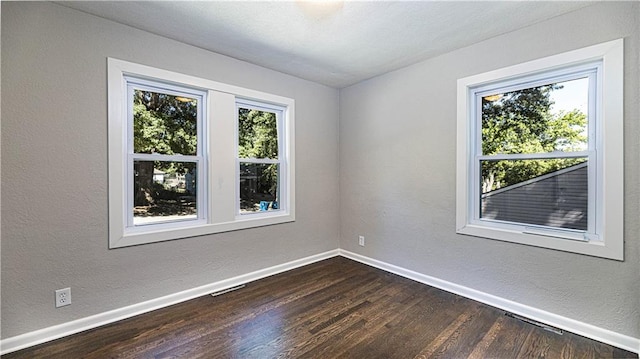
(373, 325)
(469, 334)
(489, 337)
(335, 308)
(446, 337)
(309, 308)
(535, 346)
(376, 295)
(252, 310)
(404, 335)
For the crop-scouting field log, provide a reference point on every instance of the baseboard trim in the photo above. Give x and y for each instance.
(62, 330)
(79, 325)
(587, 330)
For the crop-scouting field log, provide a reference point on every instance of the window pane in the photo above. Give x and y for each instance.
(257, 134)
(549, 192)
(537, 120)
(164, 191)
(259, 187)
(164, 124)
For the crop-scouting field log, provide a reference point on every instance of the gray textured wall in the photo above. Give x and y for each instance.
(54, 171)
(397, 174)
(398, 170)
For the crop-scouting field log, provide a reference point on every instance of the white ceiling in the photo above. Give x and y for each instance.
(331, 42)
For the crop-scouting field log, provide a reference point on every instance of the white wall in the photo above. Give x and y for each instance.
(398, 168)
(54, 171)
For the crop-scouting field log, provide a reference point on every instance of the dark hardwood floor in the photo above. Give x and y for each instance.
(336, 308)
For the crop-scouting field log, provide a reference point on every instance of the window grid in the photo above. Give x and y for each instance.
(281, 196)
(583, 71)
(138, 84)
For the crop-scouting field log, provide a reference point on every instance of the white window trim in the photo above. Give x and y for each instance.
(610, 150)
(220, 119)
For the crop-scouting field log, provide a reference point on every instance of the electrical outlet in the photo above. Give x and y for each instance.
(63, 297)
(361, 240)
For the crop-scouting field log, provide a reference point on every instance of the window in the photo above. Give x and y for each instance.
(259, 163)
(189, 156)
(166, 153)
(540, 153)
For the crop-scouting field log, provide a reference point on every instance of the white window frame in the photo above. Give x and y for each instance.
(281, 160)
(591, 71)
(604, 236)
(219, 153)
(198, 158)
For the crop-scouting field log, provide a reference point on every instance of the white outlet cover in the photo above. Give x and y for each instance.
(63, 297)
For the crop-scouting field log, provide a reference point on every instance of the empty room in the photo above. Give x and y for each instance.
(320, 179)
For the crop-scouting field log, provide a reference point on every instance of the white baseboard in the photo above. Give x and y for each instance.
(62, 330)
(58, 331)
(587, 330)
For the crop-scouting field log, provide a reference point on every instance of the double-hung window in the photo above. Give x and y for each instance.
(259, 162)
(165, 150)
(540, 153)
(189, 156)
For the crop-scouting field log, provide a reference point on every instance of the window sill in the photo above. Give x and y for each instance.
(154, 234)
(600, 248)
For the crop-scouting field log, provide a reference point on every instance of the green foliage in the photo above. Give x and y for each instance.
(258, 138)
(257, 134)
(521, 122)
(162, 124)
(166, 124)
